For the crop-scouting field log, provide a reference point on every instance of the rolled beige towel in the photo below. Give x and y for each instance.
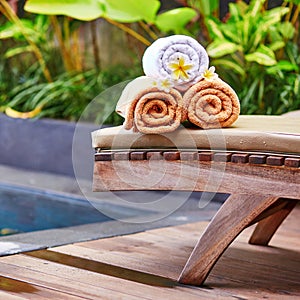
(211, 104)
(154, 111)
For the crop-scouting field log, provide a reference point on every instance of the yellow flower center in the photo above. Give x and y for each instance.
(208, 74)
(166, 83)
(179, 69)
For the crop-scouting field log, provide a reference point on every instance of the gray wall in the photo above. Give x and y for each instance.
(44, 145)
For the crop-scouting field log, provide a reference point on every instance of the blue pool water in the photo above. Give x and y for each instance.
(25, 210)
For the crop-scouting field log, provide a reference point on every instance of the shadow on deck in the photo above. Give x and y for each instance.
(146, 265)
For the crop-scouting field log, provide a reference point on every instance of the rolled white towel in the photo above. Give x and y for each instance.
(178, 58)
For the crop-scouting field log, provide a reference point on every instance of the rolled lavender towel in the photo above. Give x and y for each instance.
(178, 58)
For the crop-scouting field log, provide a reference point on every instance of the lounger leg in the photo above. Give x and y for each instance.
(266, 228)
(235, 214)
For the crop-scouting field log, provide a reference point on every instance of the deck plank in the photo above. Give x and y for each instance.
(146, 265)
(13, 289)
(91, 285)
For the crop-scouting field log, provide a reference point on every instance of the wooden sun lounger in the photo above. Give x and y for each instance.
(257, 162)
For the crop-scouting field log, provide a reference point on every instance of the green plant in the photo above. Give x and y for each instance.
(247, 46)
(116, 12)
(284, 88)
(34, 96)
(17, 26)
(67, 95)
(42, 70)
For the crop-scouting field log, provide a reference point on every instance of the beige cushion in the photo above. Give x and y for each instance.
(249, 133)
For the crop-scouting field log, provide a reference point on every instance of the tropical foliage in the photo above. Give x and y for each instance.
(46, 73)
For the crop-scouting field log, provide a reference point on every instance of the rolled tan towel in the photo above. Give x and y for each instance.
(154, 111)
(211, 104)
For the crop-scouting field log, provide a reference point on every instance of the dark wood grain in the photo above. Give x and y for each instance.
(125, 155)
(241, 158)
(205, 156)
(138, 155)
(222, 156)
(157, 155)
(257, 159)
(275, 160)
(171, 155)
(103, 156)
(292, 162)
(189, 155)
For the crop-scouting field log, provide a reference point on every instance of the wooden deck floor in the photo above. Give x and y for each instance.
(146, 266)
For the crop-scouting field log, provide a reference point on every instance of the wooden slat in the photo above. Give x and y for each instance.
(275, 160)
(171, 155)
(58, 280)
(222, 157)
(24, 289)
(138, 155)
(7, 296)
(124, 260)
(157, 155)
(189, 155)
(257, 159)
(292, 162)
(103, 156)
(236, 178)
(93, 284)
(205, 156)
(241, 158)
(124, 155)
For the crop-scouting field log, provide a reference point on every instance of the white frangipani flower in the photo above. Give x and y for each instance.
(163, 84)
(209, 74)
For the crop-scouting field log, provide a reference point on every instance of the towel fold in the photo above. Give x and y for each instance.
(150, 106)
(154, 111)
(178, 58)
(211, 104)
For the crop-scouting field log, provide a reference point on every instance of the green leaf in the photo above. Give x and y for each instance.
(246, 30)
(82, 10)
(230, 31)
(214, 28)
(18, 50)
(257, 38)
(250, 92)
(273, 16)
(255, 7)
(274, 34)
(128, 11)
(219, 48)
(296, 2)
(277, 45)
(8, 33)
(286, 29)
(242, 7)
(231, 65)
(205, 7)
(10, 30)
(263, 56)
(175, 19)
(234, 12)
(282, 65)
